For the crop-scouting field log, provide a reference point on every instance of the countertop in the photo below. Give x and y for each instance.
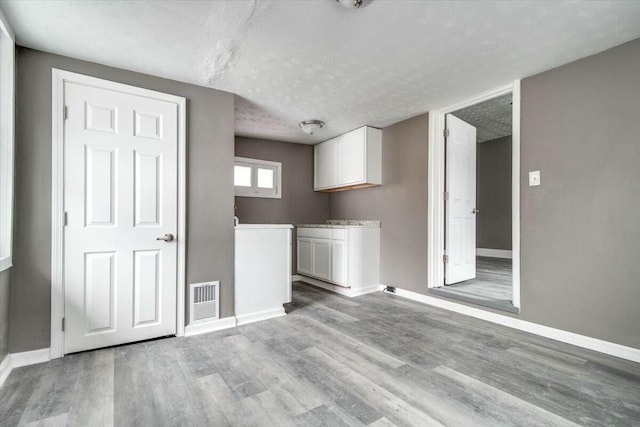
(343, 223)
(261, 226)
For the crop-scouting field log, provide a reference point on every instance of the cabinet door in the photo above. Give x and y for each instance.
(305, 260)
(321, 253)
(325, 164)
(352, 158)
(339, 262)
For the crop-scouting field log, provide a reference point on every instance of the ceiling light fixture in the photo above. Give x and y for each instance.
(310, 126)
(351, 4)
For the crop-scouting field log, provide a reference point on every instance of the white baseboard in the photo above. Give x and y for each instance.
(260, 315)
(601, 346)
(341, 289)
(214, 325)
(26, 358)
(495, 253)
(5, 368)
(296, 278)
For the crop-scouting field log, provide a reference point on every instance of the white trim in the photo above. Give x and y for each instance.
(182, 214)
(57, 215)
(435, 205)
(17, 360)
(7, 143)
(5, 368)
(5, 263)
(515, 193)
(260, 315)
(296, 278)
(341, 289)
(27, 358)
(59, 77)
(212, 326)
(5, 27)
(494, 253)
(601, 346)
(436, 187)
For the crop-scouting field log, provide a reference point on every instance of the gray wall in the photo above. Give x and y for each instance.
(580, 127)
(210, 149)
(400, 203)
(5, 277)
(493, 161)
(299, 203)
(580, 230)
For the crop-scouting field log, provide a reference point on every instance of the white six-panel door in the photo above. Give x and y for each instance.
(460, 206)
(121, 189)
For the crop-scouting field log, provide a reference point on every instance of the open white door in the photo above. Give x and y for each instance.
(120, 196)
(460, 206)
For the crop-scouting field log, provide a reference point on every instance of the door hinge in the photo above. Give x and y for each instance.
(446, 195)
(445, 258)
(446, 133)
(65, 113)
(66, 219)
(63, 324)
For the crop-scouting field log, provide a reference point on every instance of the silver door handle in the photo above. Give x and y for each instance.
(475, 211)
(167, 237)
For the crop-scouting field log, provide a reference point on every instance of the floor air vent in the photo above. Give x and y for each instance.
(203, 302)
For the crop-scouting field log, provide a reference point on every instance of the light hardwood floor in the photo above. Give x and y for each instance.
(376, 360)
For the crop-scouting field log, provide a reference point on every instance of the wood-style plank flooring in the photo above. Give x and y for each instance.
(493, 281)
(375, 360)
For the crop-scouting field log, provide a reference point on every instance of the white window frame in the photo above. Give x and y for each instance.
(254, 191)
(7, 139)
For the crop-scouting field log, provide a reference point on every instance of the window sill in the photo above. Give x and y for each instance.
(5, 263)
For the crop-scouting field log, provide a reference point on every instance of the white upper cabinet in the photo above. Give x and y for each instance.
(352, 160)
(352, 165)
(325, 164)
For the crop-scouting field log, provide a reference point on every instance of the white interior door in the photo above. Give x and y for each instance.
(460, 207)
(121, 194)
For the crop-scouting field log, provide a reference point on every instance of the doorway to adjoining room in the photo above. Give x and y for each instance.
(478, 239)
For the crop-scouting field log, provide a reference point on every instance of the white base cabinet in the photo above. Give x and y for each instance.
(348, 257)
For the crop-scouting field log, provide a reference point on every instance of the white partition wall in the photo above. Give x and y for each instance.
(263, 271)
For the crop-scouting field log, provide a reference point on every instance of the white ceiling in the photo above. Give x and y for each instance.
(295, 60)
(492, 118)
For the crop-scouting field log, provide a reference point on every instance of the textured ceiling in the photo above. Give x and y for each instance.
(491, 118)
(295, 60)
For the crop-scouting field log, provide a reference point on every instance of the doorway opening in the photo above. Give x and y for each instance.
(474, 224)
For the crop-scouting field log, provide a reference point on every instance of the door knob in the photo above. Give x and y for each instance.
(167, 237)
(475, 211)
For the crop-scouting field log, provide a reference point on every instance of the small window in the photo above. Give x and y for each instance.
(242, 175)
(257, 178)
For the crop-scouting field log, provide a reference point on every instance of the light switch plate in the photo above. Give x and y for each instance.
(534, 178)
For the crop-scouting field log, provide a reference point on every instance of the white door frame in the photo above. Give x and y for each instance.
(436, 186)
(59, 78)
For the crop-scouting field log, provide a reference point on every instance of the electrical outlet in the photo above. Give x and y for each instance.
(534, 178)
